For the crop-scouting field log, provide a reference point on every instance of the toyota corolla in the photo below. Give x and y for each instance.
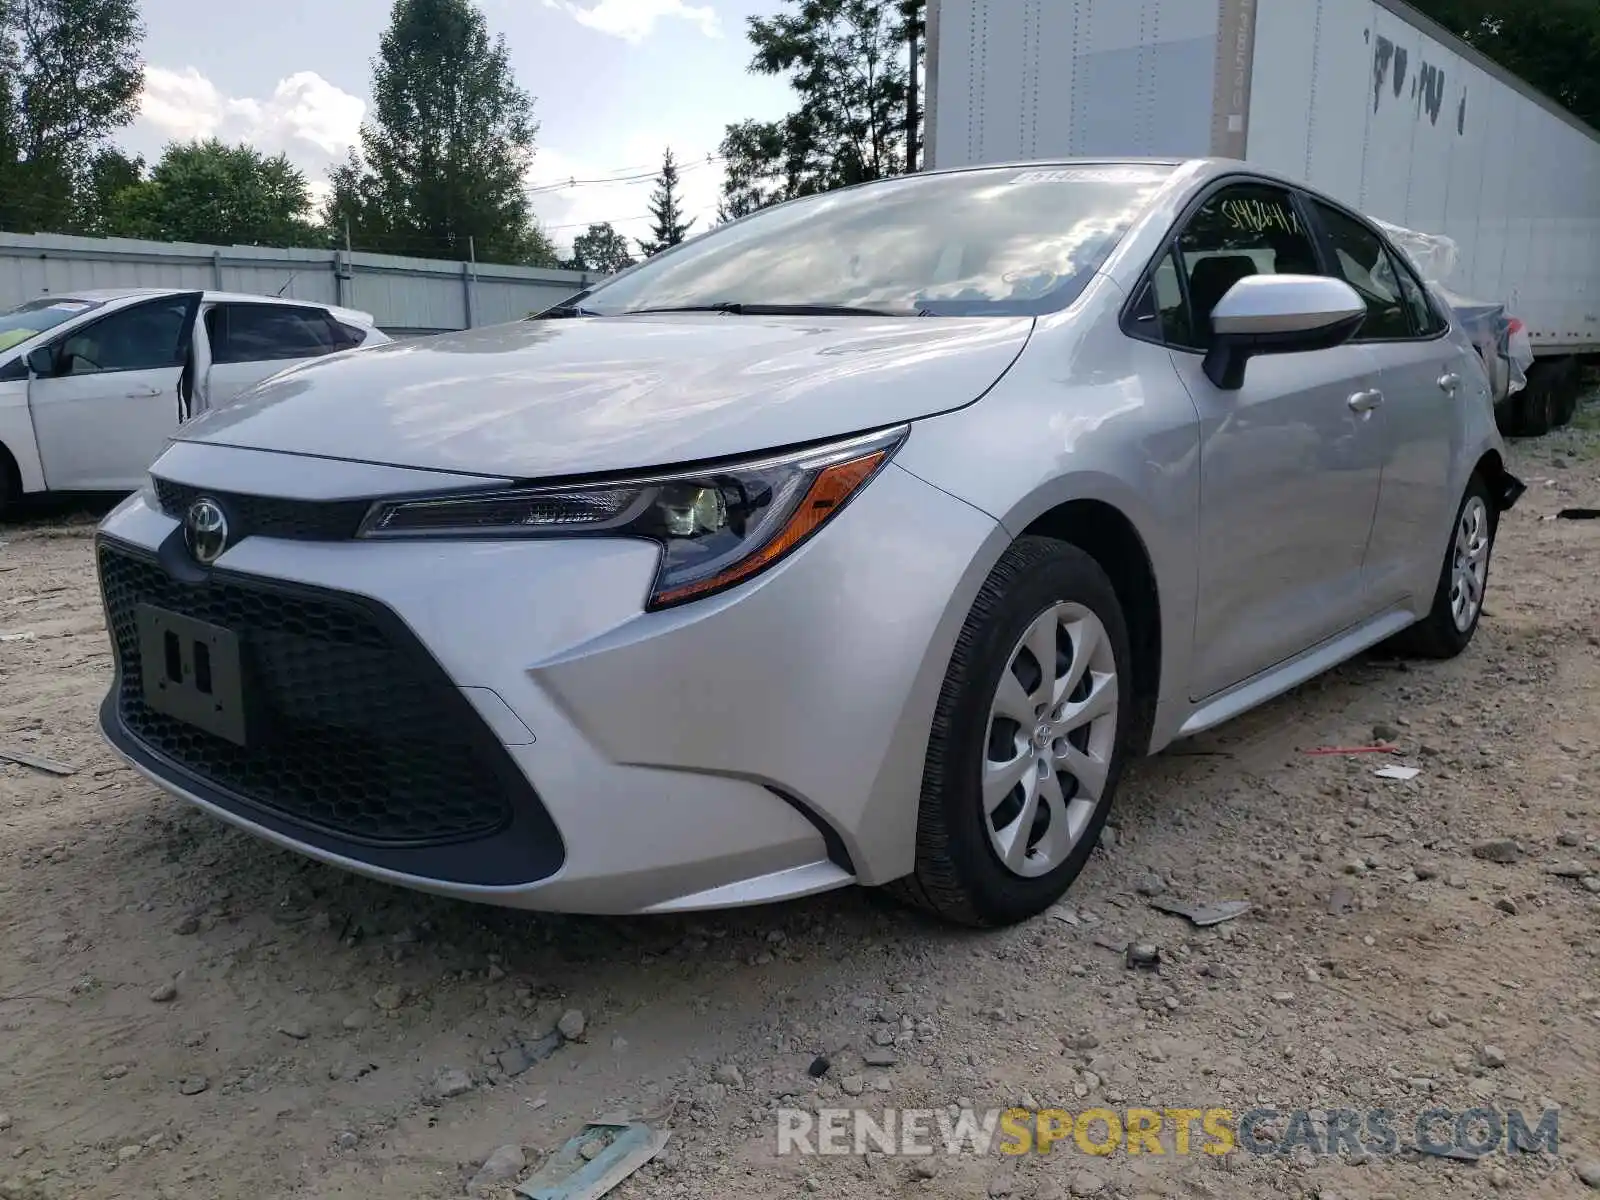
(863, 540)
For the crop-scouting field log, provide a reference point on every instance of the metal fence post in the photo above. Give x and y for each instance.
(216, 269)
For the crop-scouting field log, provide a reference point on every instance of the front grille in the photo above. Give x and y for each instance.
(269, 516)
(360, 733)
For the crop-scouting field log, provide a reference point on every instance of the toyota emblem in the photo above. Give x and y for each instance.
(205, 530)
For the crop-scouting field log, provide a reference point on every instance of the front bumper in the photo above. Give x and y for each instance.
(502, 722)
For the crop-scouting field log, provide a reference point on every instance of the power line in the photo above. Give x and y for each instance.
(626, 180)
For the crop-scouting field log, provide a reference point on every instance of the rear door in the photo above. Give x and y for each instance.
(112, 395)
(1423, 376)
(250, 342)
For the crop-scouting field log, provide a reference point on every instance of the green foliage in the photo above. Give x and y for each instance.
(441, 167)
(70, 74)
(211, 192)
(600, 248)
(848, 61)
(666, 210)
(100, 192)
(1552, 44)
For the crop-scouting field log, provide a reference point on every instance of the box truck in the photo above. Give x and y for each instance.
(1367, 100)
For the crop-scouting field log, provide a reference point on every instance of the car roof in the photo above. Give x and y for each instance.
(207, 296)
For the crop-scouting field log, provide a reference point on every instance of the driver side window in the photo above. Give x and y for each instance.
(1245, 229)
(143, 338)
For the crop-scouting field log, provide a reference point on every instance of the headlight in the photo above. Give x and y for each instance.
(717, 526)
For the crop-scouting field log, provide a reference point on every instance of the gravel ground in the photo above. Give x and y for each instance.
(190, 1013)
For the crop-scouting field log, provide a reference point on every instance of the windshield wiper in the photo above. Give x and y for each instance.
(567, 310)
(743, 309)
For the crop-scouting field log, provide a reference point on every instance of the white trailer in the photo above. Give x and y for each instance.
(1367, 100)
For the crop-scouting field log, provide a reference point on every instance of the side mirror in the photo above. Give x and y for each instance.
(42, 362)
(1279, 314)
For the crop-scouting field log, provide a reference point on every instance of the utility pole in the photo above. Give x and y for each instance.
(910, 10)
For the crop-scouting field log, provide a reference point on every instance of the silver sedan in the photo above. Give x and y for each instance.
(863, 540)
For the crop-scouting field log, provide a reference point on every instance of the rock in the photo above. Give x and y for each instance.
(1143, 956)
(999, 1187)
(925, 1168)
(730, 1075)
(1340, 900)
(819, 1067)
(1591, 883)
(1439, 1019)
(187, 925)
(592, 1149)
(193, 1085)
(712, 1095)
(164, 993)
(1501, 850)
(116, 1071)
(1499, 1179)
(1087, 1183)
(1081, 1041)
(295, 1030)
(127, 1153)
(347, 1140)
(1152, 885)
(1589, 1172)
(1568, 838)
(1384, 734)
(451, 1082)
(1108, 837)
(501, 1167)
(356, 1020)
(1506, 905)
(389, 998)
(1047, 1189)
(571, 1025)
(883, 1037)
(852, 1085)
(1425, 870)
(5, 1122)
(878, 1056)
(1456, 881)
(1491, 1056)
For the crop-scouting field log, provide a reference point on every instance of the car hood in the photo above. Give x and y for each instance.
(569, 397)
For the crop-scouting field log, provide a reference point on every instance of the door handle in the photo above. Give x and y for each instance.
(1365, 402)
(1449, 381)
(144, 393)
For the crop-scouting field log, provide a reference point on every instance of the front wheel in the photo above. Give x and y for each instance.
(1457, 608)
(1029, 739)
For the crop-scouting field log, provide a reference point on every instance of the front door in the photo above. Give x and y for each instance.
(1290, 464)
(110, 400)
(1424, 377)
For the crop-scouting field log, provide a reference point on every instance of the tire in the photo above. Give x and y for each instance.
(1569, 384)
(1441, 634)
(10, 487)
(960, 873)
(1531, 411)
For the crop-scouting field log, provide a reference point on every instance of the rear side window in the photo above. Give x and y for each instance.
(265, 332)
(1245, 229)
(1362, 260)
(1425, 318)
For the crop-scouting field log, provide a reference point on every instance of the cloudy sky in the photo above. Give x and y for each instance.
(615, 82)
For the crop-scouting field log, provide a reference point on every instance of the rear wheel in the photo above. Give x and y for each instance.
(1029, 739)
(1448, 628)
(10, 486)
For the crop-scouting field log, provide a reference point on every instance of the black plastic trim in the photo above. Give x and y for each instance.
(526, 849)
(838, 852)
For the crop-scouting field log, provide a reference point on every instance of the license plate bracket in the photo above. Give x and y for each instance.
(194, 672)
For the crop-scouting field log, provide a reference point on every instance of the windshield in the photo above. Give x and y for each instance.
(994, 242)
(19, 324)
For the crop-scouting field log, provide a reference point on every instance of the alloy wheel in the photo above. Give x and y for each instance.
(1470, 570)
(1051, 736)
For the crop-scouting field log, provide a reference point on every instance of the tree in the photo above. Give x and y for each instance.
(600, 248)
(224, 195)
(666, 208)
(102, 190)
(441, 167)
(1553, 46)
(846, 61)
(70, 74)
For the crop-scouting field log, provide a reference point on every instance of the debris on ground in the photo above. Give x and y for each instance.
(38, 763)
(594, 1161)
(1203, 915)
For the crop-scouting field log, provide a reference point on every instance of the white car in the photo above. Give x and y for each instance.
(92, 385)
